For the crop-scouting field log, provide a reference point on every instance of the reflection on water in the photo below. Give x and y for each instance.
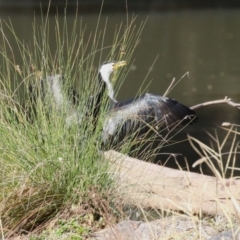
(204, 43)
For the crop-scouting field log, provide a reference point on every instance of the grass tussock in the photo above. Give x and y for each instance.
(47, 167)
(221, 155)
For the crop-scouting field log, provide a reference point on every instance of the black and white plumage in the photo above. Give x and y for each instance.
(104, 86)
(51, 92)
(139, 115)
(142, 114)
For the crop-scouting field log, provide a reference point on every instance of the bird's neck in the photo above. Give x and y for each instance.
(110, 92)
(106, 86)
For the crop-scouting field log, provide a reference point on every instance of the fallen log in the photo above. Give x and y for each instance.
(148, 185)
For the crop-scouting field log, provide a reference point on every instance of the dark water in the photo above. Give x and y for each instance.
(205, 43)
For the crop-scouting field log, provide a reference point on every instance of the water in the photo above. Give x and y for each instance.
(204, 43)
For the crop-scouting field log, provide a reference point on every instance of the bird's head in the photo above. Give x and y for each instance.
(105, 73)
(107, 69)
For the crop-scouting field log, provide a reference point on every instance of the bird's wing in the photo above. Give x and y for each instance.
(150, 110)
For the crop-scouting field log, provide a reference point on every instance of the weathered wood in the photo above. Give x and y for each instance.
(148, 185)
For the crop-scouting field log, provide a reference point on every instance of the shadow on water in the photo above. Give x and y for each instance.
(204, 43)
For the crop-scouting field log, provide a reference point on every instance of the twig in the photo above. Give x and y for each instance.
(228, 124)
(225, 100)
(170, 86)
(173, 83)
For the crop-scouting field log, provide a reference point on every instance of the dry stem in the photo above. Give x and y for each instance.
(225, 100)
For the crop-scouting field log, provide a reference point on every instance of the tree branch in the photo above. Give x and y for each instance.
(225, 100)
(144, 184)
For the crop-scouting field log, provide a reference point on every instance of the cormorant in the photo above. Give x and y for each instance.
(137, 115)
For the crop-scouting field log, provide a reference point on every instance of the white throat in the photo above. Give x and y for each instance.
(110, 90)
(106, 78)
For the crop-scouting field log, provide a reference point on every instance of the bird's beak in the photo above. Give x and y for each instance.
(119, 64)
